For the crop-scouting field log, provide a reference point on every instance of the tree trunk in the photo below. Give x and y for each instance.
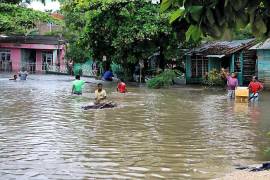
(162, 62)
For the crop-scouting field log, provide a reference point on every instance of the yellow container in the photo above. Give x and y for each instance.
(242, 92)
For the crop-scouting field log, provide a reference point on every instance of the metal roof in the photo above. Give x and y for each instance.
(32, 39)
(262, 45)
(220, 48)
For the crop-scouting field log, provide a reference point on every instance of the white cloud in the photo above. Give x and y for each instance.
(54, 6)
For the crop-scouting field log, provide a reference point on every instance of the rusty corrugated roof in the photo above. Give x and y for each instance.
(221, 47)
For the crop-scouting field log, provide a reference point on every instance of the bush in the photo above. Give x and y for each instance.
(213, 78)
(165, 79)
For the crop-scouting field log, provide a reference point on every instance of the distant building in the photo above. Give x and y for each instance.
(263, 61)
(45, 28)
(35, 53)
(233, 55)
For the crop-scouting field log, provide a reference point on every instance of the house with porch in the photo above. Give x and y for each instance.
(232, 55)
(35, 53)
(263, 61)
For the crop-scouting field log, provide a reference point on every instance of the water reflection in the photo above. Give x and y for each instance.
(184, 133)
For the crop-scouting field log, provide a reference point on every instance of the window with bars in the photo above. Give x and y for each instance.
(199, 66)
(237, 63)
(4, 54)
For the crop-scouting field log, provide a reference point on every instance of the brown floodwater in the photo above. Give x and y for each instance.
(176, 133)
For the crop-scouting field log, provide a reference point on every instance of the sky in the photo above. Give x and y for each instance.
(50, 5)
(54, 5)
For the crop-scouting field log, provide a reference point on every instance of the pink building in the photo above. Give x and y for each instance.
(36, 53)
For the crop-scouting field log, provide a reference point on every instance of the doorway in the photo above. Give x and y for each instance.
(28, 60)
(47, 59)
(225, 62)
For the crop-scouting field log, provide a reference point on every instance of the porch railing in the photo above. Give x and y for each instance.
(56, 69)
(5, 66)
(30, 67)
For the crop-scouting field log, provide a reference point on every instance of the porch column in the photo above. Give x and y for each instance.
(55, 60)
(15, 57)
(62, 60)
(232, 64)
(38, 61)
(188, 68)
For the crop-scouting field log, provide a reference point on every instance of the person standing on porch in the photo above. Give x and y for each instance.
(95, 68)
(232, 83)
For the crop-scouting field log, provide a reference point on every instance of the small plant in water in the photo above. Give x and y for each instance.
(165, 79)
(213, 78)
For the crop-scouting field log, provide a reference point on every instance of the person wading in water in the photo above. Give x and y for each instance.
(23, 74)
(14, 78)
(255, 87)
(232, 83)
(77, 85)
(121, 86)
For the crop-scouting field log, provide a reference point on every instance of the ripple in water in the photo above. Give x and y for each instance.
(155, 134)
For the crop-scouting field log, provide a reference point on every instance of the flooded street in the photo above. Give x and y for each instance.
(177, 133)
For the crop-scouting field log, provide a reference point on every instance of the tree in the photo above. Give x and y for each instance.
(19, 20)
(218, 18)
(10, 1)
(124, 31)
(19, 1)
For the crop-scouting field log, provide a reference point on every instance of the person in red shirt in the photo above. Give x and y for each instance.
(121, 87)
(255, 87)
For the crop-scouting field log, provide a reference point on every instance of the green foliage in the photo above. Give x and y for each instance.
(77, 54)
(165, 79)
(121, 72)
(122, 30)
(213, 79)
(218, 19)
(19, 20)
(10, 1)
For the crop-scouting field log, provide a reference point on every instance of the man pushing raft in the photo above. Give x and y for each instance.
(100, 100)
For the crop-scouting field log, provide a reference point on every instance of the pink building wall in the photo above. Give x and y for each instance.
(15, 56)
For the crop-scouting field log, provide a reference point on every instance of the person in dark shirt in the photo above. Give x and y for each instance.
(14, 77)
(107, 76)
